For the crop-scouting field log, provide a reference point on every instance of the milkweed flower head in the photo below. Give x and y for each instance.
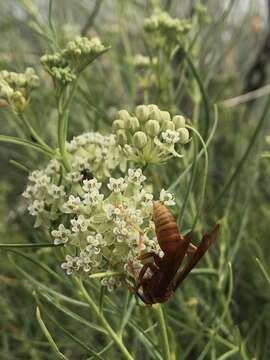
(103, 225)
(164, 28)
(150, 135)
(64, 66)
(16, 88)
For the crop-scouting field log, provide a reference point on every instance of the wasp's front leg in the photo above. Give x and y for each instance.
(141, 279)
(155, 256)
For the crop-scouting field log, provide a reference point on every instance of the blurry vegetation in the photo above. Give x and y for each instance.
(218, 313)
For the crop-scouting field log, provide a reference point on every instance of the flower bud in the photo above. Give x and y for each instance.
(123, 115)
(118, 124)
(139, 139)
(121, 137)
(179, 121)
(165, 116)
(168, 125)
(132, 124)
(152, 128)
(142, 112)
(183, 135)
(155, 114)
(18, 101)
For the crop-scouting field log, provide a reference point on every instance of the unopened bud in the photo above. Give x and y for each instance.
(142, 113)
(152, 128)
(133, 124)
(168, 125)
(179, 121)
(183, 135)
(165, 116)
(139, 139)
(118, 124)
(123, 115)
(121, 137)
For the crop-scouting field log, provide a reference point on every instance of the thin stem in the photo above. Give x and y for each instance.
(117, 340)
(245, 155)
(164, 340)
(177, 181)
(62, 132)
(35, 134)
(204, 176)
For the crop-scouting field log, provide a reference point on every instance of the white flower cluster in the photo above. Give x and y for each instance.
(162, 25)
(66, 64)
(15, 88)
(94, 153)
(150, 135)
(47, 197)
(103, 226)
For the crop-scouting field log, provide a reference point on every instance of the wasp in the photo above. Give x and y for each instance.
(164, 278)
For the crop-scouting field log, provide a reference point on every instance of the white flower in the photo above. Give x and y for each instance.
(92, 184)
(72, 205)
(167, 198)
(74, 177)
(61, 235)
(53, 167)
(79, 224)
(93, 198)
(136, 176)
(71, 264)
(117, 185)
(170, 136)
(56, 191)
(29, 192)
(36, 207)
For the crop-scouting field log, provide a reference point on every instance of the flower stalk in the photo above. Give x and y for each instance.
(163, 333)
(111, 333)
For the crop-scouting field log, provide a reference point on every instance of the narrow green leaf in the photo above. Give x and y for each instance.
(26, 143)
(47, 334)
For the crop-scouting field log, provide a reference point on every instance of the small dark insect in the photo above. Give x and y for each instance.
(87, 175)
(163, 282)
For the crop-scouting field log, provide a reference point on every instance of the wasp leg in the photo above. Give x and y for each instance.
(156, 258)
(207, 240)
(140, 281)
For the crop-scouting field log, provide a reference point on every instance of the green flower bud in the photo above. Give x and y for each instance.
(179, 121)
(132, 124)
(183, 135)
(155, 114)
(140, 139)
(152, 128)
(118, 124)
(123, 115)
(121, 137)
(142, 113)
(165, 116)
(168, 125)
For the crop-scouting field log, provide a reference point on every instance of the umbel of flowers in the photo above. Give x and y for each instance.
(103, 226)
(15, 88)
(150, 135)
(65, 65)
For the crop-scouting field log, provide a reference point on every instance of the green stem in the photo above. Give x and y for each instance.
(164, 340)
(62, 133)
(117, 340)
(35, 134)
(245, 155)
(204, 176)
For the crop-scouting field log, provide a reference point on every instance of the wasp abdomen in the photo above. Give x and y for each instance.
(166, 228)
